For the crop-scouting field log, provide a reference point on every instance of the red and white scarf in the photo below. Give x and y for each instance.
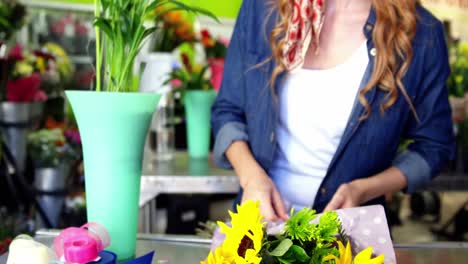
(305, 27)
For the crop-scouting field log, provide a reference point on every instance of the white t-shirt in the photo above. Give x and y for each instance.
(314, 109)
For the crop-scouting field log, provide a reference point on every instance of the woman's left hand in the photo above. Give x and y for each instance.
(347, 196)
(360, 191)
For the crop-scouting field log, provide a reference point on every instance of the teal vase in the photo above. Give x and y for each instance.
(113, 128)
(198, 112)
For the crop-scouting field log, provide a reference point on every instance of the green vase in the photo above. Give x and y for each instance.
(198, 112)
(113, 128)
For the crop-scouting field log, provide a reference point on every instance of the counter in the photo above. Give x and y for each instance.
(190, 249)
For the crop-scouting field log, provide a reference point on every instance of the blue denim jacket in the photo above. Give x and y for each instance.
(246, 110)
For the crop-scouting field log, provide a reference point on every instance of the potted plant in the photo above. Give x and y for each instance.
(198, 97)
(114, 119)
(215, 50)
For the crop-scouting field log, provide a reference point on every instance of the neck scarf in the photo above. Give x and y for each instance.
(304, 28)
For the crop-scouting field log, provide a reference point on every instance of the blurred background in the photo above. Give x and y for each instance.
(47, 47)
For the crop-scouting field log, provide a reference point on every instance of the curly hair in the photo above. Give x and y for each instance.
(392, 35)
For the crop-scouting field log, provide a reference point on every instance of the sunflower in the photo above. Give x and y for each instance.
(363, 257)
(219, 256)
(244, 239)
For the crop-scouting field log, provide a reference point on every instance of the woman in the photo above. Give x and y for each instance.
(313, 114)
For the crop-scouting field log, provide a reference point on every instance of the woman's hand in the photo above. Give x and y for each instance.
(255, 182)
(360, 191)
(347, 196)
(261, 188)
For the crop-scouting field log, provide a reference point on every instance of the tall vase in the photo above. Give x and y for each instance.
(198, 111)
(113, 127)
(16, 120)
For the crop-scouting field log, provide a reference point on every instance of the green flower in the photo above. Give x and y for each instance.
(299, 226)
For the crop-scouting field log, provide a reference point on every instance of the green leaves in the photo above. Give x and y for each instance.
(122, 23)
(286, 252)
(282, 248)
(303, 241)
(105, 26)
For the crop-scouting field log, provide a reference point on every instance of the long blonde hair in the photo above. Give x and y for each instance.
(394, 30)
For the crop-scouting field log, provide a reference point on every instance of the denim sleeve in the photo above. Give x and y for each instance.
(415, 168)
(432, 132)
(228, 134)
(228, 114)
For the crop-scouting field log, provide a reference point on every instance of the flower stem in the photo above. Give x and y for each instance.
(97, 4)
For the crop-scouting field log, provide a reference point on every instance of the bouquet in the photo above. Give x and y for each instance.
(174, 29)
(53, 145)
(56, 71)
(215, 50)
(37, 75)
(342, 237)
(23, 76)
(190, 76)
(12, 18)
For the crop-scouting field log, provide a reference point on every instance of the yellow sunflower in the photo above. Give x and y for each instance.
(219, 256)
(244, 239)
(346, 257)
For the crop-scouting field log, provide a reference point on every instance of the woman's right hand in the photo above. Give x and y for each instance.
(260, 187)
(255, 182)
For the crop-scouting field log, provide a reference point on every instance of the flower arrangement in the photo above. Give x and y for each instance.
(37, 75)
(123, 25)
(174, 30)
(53, 145)
(23, 73)
(304, 239)
(12, 18)
(189, 76)
(215, 48)
(57, 69)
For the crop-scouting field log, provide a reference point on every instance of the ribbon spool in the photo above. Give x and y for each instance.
(81, 245)
(24, 249)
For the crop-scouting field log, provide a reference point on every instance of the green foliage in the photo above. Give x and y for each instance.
(458, 80)
(303, 241)
(124, 30)
(48, 148)
(12, 18)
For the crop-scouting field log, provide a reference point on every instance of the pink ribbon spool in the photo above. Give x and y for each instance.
(81, 245)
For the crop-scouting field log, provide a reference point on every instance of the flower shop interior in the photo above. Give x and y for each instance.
(49, 47)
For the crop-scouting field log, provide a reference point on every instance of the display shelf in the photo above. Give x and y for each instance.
(81, 59)
(59, 6)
